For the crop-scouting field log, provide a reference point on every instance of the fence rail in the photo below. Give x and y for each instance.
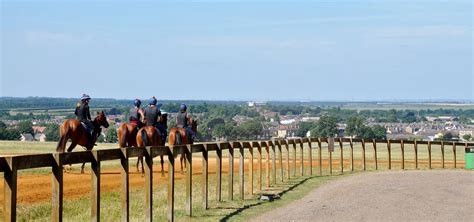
(273, 149)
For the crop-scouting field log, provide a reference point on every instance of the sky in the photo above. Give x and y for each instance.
(261, 50)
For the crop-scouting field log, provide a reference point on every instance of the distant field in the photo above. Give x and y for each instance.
(403, 106)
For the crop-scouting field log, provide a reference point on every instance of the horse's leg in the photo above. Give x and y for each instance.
(70, 148)
(82, 168)
(162, 162)
(138, 162)
(181, 163)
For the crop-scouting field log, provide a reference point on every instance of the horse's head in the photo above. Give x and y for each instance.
(194, 124)
(101, 120)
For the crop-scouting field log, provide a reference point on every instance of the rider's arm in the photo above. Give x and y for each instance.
(142, 115)
(88, 113)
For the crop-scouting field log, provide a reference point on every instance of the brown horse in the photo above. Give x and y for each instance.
(148, 137)
(73, 129)
(179, 136)
(127, 133)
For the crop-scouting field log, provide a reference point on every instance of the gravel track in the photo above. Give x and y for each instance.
(438, 195)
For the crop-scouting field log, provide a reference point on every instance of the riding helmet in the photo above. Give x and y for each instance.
(183, 107)
(137, 102)
(85, 97)
(153, 101)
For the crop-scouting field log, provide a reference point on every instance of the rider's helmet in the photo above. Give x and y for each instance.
(153, 101)
(183, 107)
(137, 102)
(85, 97)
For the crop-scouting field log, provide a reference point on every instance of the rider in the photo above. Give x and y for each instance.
(84, 116)
(137, 114)
(182, 121)
(152, 114)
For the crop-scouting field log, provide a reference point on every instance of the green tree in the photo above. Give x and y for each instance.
(448, 136)
(25, 127)
(52, 132)
(304, 127)
(355, 126)
(252, 129)
(111, 135)
(379, 132)
(326, 127)
(467, 137)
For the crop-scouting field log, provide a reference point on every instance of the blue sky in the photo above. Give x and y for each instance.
(238, 50)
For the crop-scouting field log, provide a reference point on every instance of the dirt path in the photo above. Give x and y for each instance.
(444, 195)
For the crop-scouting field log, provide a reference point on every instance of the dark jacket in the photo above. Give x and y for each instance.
(182, 120)
(82, 112)
(151, 115)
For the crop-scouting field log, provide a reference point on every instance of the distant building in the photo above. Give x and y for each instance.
(40, 137)
(310, 119)
(285, 131)
(26, 137)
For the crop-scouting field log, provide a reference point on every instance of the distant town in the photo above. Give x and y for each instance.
(219, 121)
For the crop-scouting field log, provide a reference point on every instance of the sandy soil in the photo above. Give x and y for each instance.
(438, 195)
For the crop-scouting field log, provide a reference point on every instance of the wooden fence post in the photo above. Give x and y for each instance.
(189, 181)
(259, 159)
(171, 155)
(241, 172)
(363, 155)
(250, 168)
(287, 160)
(442, 153)
(330, 160)
(231, 172)
(375, 154)
(310, 158)
(454, 153)
(389, 148)
(280, 156)
(301, 158)
(10, 190)
(402, 146)
(416, 154)
(57, 204)
(219, 172)
(124, 194)
(320, 148)
(429, 154)
(274, 169)
(342, 155)
(267, 169)
(148, 184)
(294, 158)
(352, 154)
(95, 192)
(205, 178)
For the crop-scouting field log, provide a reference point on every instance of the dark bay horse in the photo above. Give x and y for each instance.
(179, 136)
(73, 129)
(148, 137)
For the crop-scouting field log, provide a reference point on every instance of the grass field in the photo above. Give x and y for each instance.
(77, 208)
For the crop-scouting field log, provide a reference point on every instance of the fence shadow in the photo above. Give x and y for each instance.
(290, 184)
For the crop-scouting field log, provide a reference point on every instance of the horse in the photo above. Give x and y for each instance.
(149, 139)
(179, 136)
(127, 133)
(149, 136)
(73, 129)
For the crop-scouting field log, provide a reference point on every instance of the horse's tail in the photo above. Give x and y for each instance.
(63, 136)
(123, 134)
(144, 137)
(178, 140)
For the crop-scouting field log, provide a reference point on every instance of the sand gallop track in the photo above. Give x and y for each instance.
(445, 195)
